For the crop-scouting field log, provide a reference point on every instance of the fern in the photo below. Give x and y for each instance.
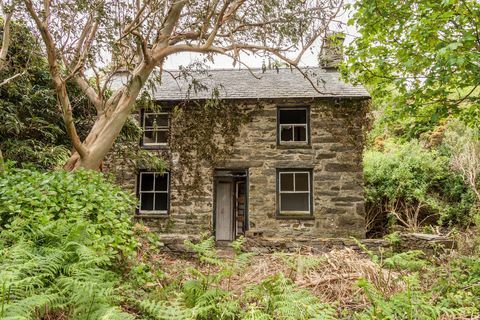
(52, 273)
(410, 260)
(163, 310)
(278, 297)
(411, 304)
(254, 313)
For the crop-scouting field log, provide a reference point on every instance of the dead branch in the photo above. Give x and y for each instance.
(15, 76)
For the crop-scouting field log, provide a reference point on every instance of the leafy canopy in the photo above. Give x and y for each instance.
(31, 125)
(419, 57)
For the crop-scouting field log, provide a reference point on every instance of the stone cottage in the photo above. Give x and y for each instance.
(294, 171)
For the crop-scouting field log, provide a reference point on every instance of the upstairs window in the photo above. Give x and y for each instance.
(293, 126)
(153, 191)
(294, 192)
(155, 129)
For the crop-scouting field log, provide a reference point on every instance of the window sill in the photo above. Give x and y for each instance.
(303, 216)
(155, 147)
(151, 215)
(294, 145)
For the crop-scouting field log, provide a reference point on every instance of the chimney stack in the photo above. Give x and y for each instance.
(331, 54)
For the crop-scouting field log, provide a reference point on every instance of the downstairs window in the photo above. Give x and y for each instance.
(294, 192)
(153, 192)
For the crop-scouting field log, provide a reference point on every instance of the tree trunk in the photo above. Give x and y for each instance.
(2, 164)
(107, 126)
(98, 143)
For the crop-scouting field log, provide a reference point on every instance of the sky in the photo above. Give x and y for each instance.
(310, 58)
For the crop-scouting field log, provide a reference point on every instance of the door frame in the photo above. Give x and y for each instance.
(231, 174)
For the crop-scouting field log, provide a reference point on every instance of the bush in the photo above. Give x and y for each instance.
(412, 184)
(63, 236)
(30, 200)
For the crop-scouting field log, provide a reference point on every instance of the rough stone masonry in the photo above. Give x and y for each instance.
(337, 120)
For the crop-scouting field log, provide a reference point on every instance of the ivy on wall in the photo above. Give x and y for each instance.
(203, 134)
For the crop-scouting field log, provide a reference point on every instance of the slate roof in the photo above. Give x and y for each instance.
(271, 84)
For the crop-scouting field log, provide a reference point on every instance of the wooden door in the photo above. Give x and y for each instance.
(224, 212)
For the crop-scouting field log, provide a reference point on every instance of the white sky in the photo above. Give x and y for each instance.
(310, 57)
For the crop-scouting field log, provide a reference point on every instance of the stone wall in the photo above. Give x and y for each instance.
(334, 156)
(428, 243)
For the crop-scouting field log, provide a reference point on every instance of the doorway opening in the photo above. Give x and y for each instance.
(230, 214)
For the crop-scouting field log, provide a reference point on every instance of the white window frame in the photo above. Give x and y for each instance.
(293, 125)
(140, 192)
(309, 192)
(155, 129)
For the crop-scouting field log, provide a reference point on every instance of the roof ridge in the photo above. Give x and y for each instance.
(249, 69)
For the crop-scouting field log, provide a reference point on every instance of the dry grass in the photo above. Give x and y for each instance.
(331, 276)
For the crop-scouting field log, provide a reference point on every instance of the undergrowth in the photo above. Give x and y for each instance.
(64, 238)
(69, 250)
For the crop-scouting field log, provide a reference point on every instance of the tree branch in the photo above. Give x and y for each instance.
(88, 90)
(57, 80)
(167, 29)
(6, 36)
(4, 82)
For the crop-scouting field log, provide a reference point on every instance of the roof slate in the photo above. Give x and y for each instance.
(271, 84)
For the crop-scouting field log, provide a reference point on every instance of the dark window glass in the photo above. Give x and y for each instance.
(153, 192)
(301, 182)
(294, 201)
(161, 120)
(146, 182)
(286, 133)
(146, 201)
(149, 137)
(161, 201)
(162, 136)
(294, 192)
(286, 180)
(156, 120)
(148, 121)
(293, 125)
(155, 128)
(161, 182)
(300, 134)
(288, 116)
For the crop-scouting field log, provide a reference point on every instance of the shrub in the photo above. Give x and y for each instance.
(30, 200)
(63, 236)
(413, 303)
(412, 185)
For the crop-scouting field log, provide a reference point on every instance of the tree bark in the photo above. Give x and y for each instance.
(67, 64)
(107, 126)
(2, 162)
(6, 37)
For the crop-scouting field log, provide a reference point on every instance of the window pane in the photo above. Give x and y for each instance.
(294, 202)
(146, 180)
(161, 182)
(146, 201)
(161, 120)
(149, 120)
(293, 116)
(286, 181)
(161, 201)
(149, 137)
(286, 133)
(300, 134)
(156, 120)
(162, 136)
(301, 182)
